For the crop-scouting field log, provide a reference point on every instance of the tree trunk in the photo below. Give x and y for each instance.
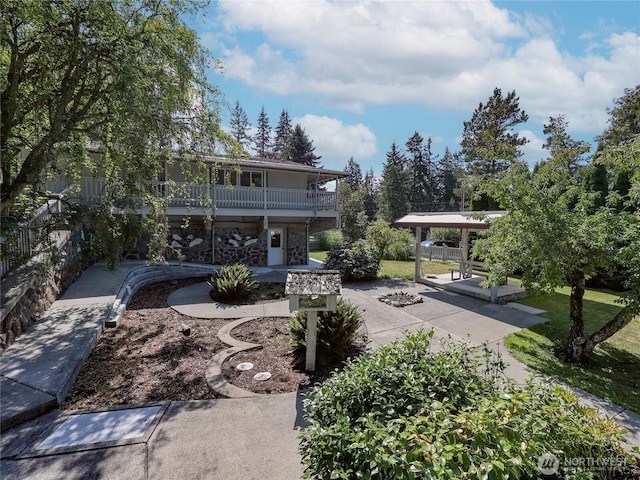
(573, 350)
(617, 323)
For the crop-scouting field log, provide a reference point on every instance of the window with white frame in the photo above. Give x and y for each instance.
(247, 178)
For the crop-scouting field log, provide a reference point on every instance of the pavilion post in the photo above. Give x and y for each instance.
(418, 255)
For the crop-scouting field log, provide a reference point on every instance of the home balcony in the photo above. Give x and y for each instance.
(220, 200)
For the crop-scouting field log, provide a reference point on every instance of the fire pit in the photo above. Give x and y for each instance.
(400, 299)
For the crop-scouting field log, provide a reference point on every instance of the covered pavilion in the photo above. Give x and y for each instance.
(466, 222)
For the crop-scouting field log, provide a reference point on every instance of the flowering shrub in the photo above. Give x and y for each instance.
(354, 263)
(406, 412)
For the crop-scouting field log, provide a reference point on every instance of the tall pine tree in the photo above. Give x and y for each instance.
(283, 135)
(449, 171)
(489, 145)
(395, 191)
(372, 189)
(301, 148)
(262, 138)
(354, 180)
(420, 181)
(240, 126)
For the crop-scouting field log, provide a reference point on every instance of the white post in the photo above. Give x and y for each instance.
(418, 253)
(312, 330)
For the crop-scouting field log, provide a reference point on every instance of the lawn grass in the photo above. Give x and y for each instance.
(614, 372)
(400, 269)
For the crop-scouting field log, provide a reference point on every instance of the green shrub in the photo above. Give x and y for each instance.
(336, 332)
(400, 251)
(354, 263)
(388, 243)
(451, 234)
(328, 240)
(232, 283)
(405, 412)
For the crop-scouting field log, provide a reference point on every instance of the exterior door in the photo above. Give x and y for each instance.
(275, 255)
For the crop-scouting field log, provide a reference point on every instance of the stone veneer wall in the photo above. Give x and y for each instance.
(240, 244)
(29, 291)
(194, 242)
(237, 243)
(297, 253)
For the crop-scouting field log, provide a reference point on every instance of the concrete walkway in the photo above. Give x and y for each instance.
(247, 438)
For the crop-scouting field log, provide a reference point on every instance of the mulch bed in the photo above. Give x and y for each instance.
(146, 358)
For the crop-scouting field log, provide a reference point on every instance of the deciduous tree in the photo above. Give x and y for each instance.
(127, 75)
(557, 233)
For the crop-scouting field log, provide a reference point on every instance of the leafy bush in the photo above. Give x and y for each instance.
(328, 240)
(388, 243)
(354, 263)
(232, 283)
(336, 332)
(405, 412)
(451, 234)
(400, 251)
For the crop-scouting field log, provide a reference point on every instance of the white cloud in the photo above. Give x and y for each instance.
(433, 53)
(337, 142)
(533, 152)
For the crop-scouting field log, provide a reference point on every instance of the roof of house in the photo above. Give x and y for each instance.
(467, 220)
(323, 174)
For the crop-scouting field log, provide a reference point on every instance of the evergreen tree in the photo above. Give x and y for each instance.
(372, 190)
(450, 170)
(433, 187)
(283, 135)
(624, 122)
(262, 138)
(489, 145)
(354, 180)
(301, 148)
(420, 196)
(240, 126)
(624, 127)
(395, 186)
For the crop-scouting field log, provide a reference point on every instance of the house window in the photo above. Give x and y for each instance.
(245, 179)
(251, 179)
(226, 177)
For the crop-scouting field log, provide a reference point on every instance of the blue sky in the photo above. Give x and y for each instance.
(359, 76)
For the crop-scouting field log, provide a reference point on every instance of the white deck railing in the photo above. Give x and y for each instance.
(442, 253)
(183, 194)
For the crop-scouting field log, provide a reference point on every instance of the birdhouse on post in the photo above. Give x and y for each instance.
(312, 291)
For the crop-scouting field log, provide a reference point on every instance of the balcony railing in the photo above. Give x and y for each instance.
(181, 194)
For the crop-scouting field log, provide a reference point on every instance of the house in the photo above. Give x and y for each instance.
(259, 212)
